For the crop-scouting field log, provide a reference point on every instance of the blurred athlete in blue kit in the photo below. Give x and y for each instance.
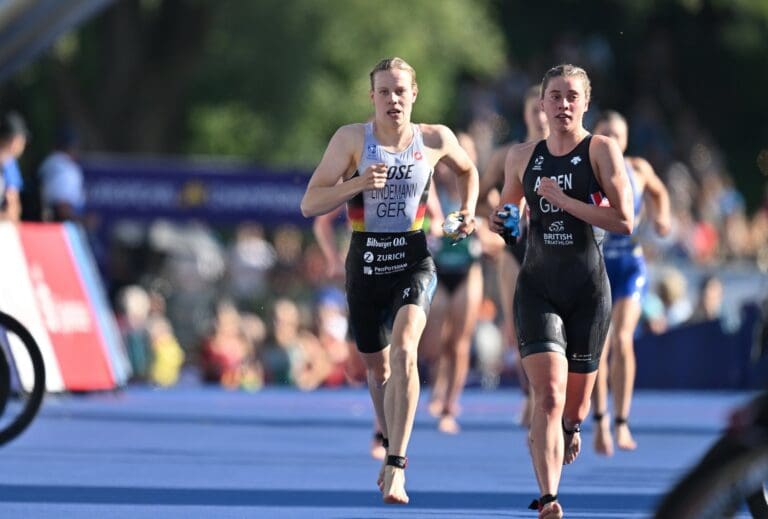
(628, 279)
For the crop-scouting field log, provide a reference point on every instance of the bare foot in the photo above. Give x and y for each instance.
(572, 447)
(603, 441)
(378, 452)
(448, 425)
(380, 479)
(624, 440)
(435, 407)
(551, 511)
(393, 490)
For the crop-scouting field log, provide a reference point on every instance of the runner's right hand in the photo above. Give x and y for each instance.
(374, 176)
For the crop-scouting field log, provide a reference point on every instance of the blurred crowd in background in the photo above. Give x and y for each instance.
(247, 306)
(253, 305)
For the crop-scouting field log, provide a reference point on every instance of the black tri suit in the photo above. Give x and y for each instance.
(563, 300)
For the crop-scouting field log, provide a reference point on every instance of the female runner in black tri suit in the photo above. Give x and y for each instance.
(562, 302)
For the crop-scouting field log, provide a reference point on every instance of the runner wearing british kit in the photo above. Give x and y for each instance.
(562, 302)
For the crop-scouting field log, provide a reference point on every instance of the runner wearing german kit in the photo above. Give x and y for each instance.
(562, 301)
(388, 264)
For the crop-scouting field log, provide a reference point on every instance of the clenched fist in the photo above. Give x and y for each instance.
(549, 189)
(374, 176)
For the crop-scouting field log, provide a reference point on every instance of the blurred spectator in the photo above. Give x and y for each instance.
(672, 290)
(167, 355)
(227, 355)
(489, 346)
(737, 242)
(332, 328)
(13, 140)
(652, 317)
(61, 180)
(709, 306)
(759, 233)
(704, 242)
(134, 304)
(293, 355)
(288, 276)
(193, 262)
(250, 258)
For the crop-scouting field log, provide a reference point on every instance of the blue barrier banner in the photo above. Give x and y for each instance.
(702, 356)
(120, 187)
(112, 341)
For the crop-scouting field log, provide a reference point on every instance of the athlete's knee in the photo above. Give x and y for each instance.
(404, 357)
(459, 348)
(378, 369)
(410, 333)
(378, 374)
(549, 398)
(623, 343)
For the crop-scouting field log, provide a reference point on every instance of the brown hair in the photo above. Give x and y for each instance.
(567, 70)
(391, 64)
(609, 116)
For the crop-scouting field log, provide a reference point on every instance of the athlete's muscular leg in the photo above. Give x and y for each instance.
(378, 374)
(402, 394)
(603, 440)
(577, 402)
(464, 311)
(626, 313)
(548, 375)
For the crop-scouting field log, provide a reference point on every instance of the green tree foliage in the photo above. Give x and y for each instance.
(270, 80)
(703, 62)
(279, 76)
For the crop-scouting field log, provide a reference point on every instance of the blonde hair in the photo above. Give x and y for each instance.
(392, 64)
(567, 70)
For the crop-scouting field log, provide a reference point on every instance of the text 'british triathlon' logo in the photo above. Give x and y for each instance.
(575, 160)
(538, 162)
(556, 226)
(368, 257)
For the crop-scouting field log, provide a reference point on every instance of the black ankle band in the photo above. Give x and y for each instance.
(538, 504)
(620, 420)
(379, 437)
(576, 429)
(598, 417)
(397, 461)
